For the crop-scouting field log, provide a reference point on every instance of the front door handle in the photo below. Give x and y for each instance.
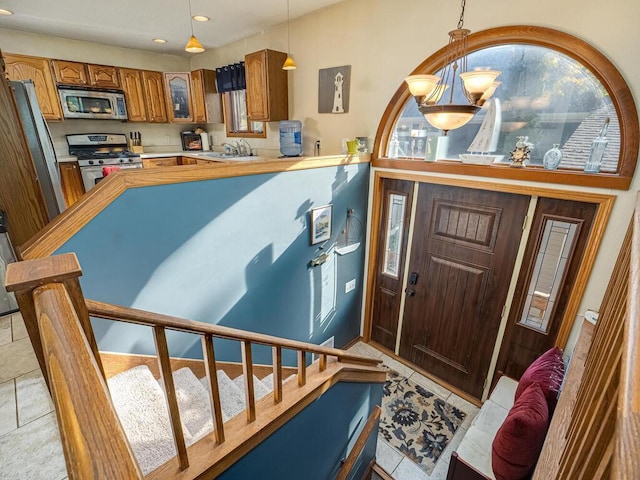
(410, 292)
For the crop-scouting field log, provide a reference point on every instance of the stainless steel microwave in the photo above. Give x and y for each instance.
(95, 104)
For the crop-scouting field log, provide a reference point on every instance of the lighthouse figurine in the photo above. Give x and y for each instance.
(337, 94)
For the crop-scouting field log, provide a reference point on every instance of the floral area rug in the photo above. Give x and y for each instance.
(416, 422)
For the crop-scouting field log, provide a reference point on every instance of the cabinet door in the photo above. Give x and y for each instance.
(71, 181)
(159, 162)
(255, 65)
(197, 92)
(154, 96)
(131, 81)
(22, 67)
(267, 86)
(178, 88)
(104, 76)
(70, 73)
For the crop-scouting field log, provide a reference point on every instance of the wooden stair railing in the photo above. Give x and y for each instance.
(29, 279)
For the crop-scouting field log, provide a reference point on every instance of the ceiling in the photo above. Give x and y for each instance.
(135, 23)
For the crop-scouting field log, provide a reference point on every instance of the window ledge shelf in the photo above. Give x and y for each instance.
(532, 174)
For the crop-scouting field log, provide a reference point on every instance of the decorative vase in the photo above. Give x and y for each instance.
(552, 158)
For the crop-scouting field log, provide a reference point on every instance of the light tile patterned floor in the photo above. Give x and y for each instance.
(396, 464)
(29, 439)
(30, 443)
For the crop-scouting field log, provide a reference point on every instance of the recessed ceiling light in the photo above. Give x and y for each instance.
(5, 12)
(200, 18)
(159, 40)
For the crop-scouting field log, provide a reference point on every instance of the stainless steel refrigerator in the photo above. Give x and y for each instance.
(41, 147)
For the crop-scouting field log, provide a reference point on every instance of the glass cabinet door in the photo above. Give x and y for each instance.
(178, 87)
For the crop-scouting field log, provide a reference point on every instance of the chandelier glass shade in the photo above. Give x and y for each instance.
(477, 85)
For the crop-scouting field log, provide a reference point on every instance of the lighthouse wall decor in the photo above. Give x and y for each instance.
(333, 89)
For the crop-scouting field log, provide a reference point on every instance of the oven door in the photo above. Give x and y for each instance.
(92, 175)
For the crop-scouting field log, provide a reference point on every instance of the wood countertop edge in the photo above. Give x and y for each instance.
(56, 233)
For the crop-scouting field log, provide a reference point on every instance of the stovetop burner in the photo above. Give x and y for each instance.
(101, 149)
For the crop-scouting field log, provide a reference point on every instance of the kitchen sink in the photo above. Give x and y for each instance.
(228, 157)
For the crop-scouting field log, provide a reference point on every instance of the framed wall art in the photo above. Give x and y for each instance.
(321, 224)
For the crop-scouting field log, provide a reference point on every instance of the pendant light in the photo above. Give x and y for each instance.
(477, 85)
(289, 64)
(193, 45)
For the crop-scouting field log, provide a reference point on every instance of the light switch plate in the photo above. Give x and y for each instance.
(350, 285)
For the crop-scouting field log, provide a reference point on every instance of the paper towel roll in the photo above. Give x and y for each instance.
(205, 140)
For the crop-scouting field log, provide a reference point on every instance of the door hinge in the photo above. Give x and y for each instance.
(524, 224)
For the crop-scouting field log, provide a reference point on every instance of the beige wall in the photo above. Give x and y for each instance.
(383, 41)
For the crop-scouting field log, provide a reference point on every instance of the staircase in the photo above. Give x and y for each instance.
(149, 417)
(141, 406)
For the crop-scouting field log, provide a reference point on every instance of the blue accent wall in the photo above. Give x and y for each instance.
(231, 252)
(312, 445)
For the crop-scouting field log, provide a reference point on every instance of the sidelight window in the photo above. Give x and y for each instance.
(395, 230)
(551, 264)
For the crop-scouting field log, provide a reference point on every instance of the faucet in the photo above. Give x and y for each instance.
(244, 148)
(234, 149)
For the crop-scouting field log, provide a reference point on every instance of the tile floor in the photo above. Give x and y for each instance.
(29, 440)
(30, 443)
(396, 464)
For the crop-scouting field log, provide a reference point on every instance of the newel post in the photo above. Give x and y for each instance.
(94, 443)
(24, 277)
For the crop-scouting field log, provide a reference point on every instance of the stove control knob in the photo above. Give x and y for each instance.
(90, 162)
(131, 160)
(122, 160)
(100, 162)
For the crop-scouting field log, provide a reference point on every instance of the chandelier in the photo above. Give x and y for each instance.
(477, 85)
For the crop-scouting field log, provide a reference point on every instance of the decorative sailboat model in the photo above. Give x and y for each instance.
(486, 140)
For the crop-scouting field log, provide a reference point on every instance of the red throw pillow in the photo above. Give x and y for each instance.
(548, 371)
(517, 444)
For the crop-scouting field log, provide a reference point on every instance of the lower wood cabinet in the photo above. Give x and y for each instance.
(160, 162)
(71, 181)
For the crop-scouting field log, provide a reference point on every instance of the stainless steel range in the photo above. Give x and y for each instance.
(98, 150)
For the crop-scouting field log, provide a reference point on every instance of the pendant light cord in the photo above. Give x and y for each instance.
(288, 33)
(190, 18)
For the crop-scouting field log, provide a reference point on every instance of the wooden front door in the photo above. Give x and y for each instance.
(463, 251)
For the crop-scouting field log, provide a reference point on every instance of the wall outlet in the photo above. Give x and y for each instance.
(167, 140)
(350, 285)
(329, 342)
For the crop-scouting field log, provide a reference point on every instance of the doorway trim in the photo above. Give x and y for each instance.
(604, 206)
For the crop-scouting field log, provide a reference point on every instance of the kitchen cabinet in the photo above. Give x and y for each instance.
(160, 162)
(267, 86)
(131, 81)
(154, 96)
(77, 73)
(71, 181)
(103, 76)
(37, 69)
(69, 73)
(178, 91)
(207, 105)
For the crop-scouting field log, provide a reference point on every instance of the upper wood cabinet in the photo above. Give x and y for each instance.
(154, 95)
(76, 73)
(104, 76)
(207, 106)
(131, 81)
(178, 90)
(37, 69)
(267, 86)
(70, 73)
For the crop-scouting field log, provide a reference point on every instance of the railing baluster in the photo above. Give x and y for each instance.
(214, 390)
(164, 363)
(302, 368)
(323, 362)
(247, 370)
(277, 374)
